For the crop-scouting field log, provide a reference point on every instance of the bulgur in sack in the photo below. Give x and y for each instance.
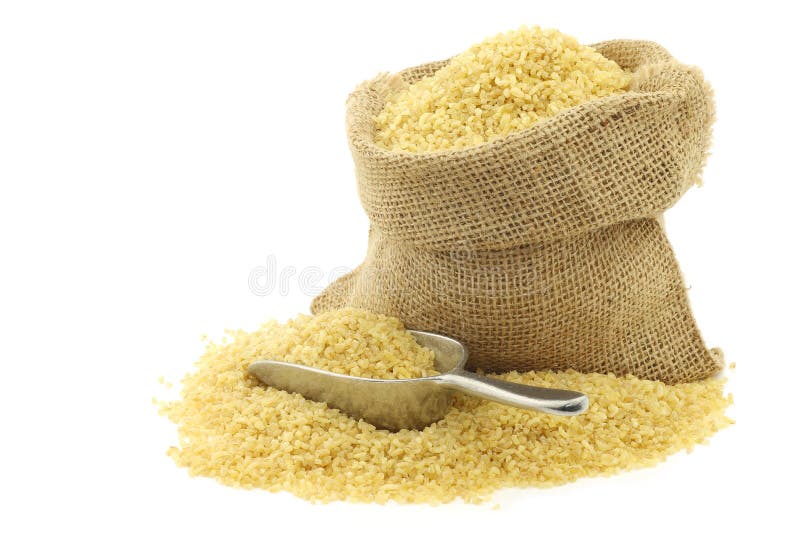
(542, 249)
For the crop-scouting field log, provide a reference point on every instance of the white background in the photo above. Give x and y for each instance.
(153, 153)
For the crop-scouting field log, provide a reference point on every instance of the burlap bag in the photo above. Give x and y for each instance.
(544, 249)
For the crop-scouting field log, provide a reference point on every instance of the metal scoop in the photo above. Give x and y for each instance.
(413, 403)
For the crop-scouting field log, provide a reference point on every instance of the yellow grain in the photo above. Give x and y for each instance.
(234, 429)
(497, 87)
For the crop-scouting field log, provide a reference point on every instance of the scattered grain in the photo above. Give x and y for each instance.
(234, 429)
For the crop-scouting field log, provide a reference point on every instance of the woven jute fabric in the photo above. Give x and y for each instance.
(543, 249)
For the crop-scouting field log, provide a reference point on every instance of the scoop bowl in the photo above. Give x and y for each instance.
(418, 402)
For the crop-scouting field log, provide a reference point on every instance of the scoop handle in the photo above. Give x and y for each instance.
(553, 401)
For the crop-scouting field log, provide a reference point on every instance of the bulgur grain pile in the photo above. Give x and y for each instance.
(242, 433)
(497, 87)
(348, 341)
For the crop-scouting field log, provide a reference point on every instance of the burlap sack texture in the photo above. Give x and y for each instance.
(544, 249)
